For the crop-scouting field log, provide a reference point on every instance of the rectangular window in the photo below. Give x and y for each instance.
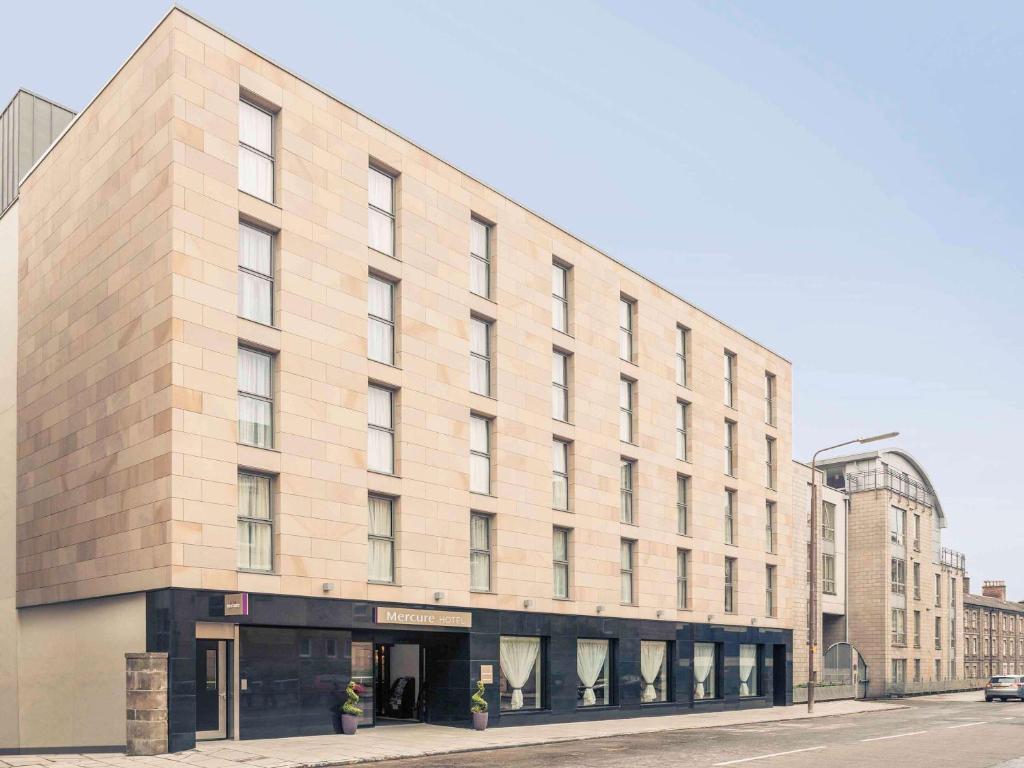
(654, 671)
(730, 516)
(938, 633)
(769, 590)
(381, 235)
(380, 418)
(560, 561)
(683, 579)
(560, 476)
(769, 398)
(480, 258)
(380, 306)
(898, 578)
(381, 534)
(917, 533)
(769, 462)
(626, 410)
(255, 151)
(627, 313)
(683, 505)
(828, 521)
(938, 670)
(559, 385)
(730, 448)
(627, 574)
(729, 378)
(730, 585)
(705, 671)
(560, 298)
(255, 398)
(255, 523)
(519, 683)
(898, 671)
(255, 274)
(750, 671)
(898, 525)
(626, 470)
(479, 454)
(938, 590)
(479, 552)
(899, 627)
(917, 581)
(828, 574)
(770, 526)
(480, 356)
(682, 356)
(682, 430)
(593, 672)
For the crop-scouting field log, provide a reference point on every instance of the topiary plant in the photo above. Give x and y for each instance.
(351, 707)
(479, 702)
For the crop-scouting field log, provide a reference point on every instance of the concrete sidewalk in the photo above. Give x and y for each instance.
(418, 740)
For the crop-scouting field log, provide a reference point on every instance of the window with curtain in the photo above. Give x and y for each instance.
(255, 151)
(683, 579)
(380, 416)
(654, 657)
(729, 377)
(480, 258)
(750, 671)
(560, 298)
(769, 590)
(560, 562)
(627, 310)
(560, 476)
(479, 552)
(380, 304)
(730, 448)
(593, 672)
(682, 356)
(769, 398)
(381, 557)
(255, 274)
(828, 574)
(683, 505)
(730, 516)
(560, 385)
(381, 195)
(479, 454)
(255, 522)
(626, 468)
(682, 430)
(519, 683)
(480, 356)
(730, 585)
(769, 462)
(828, 521)
(705, 671)
(255, 398)
(769, 526)
(627, 571)
(626, 387)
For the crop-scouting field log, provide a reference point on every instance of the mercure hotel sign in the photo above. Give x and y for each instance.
(423, 617)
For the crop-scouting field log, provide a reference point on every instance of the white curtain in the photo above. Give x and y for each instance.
(254, 298)
(560, 476)
(479, 279)
(254, 536)
(518, 657)
(748, 661)
(652, 659)
(255, 128)
(381, 233)
(255, 174)
(253, 372)
(480, 552)
(703, 669)
(381, 191)
(380, 438)
(478, 238)
(380, 308)
(381, 539)
(254, 496)
(479, 363)
(591, 656)
(254, 249)
(479, 460)
(254, 293)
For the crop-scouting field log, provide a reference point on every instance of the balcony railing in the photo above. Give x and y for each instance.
(888, 479)
(953, 559)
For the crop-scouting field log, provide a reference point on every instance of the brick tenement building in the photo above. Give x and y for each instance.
(993, 632)
(299, 402)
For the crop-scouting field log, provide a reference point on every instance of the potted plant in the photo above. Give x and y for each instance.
(479, 708)
(350, 710)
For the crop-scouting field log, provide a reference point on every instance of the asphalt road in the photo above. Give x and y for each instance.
(958, 730)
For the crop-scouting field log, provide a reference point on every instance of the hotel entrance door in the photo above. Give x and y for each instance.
(212, 689)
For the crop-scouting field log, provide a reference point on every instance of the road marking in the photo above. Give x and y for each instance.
(967, 725)
(895, 736)
(765, 757)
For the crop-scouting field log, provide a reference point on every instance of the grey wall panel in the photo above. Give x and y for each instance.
(28, 126)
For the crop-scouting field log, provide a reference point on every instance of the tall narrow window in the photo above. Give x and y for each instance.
(938, 633)
(750, 671)
(255, 398)
(729, 378)
(683, 505)
(899, 626)
(917, 581)
(683, 579)
(381, 534)
(560, 298)
(255, 274)
(917, 629)
(769, 398)
(730, 448)
(705, 671)
(828, 521)
(769, 462)
(898, 568)
(917, 533)
(626, 469)
(479, 454)
(627, 573)
(480, 258)
(898, 525)
(769, 590)
(626, 401)
(255, 151)
(380, 419)
(560, 478)
(380, 304)
(479, 356)
(682, 356)
(479, 552)
(560, 385)
(627, 310)
(682, 430)
(730, 516)
(938, 590)
(560, 562)
(828, 574)
(730, 585)
(381, 236)
(255, 523)
(770, 526)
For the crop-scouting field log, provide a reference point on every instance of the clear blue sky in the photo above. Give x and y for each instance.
(841, 182)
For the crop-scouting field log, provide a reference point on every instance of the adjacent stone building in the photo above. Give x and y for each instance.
(993, 632)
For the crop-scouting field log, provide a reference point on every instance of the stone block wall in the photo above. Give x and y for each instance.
(146, 714)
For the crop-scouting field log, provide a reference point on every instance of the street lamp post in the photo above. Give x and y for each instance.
(812, 637)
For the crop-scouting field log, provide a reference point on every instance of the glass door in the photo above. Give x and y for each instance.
(211, 689)
(363, 674)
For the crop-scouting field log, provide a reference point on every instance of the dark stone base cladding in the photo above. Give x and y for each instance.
(291, 695)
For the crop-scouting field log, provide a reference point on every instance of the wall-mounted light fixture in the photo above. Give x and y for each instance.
(600, 608)
(527, 603)
(439, 596)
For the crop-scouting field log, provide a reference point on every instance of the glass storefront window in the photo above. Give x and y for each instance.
(654, 671)
(362, 673)
(750, 671)
(593, 670)
(519, 685)
(705, 662)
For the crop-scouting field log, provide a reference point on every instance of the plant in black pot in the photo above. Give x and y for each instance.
(350, 710)
(479, 708)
